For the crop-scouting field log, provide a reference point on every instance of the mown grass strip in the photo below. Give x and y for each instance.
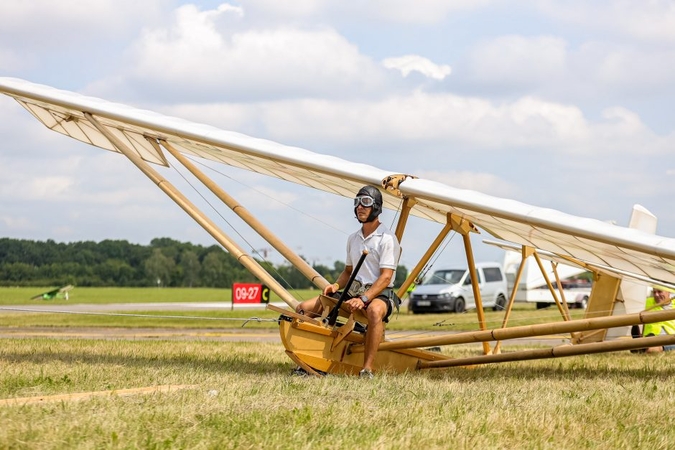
(523, 314)
(246, 398)
(21, 401)
(104, 295)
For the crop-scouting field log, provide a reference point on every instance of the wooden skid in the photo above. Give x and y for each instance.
(310, 344)
(558, 352)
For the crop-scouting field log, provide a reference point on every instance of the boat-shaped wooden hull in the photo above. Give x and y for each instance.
(318, 348)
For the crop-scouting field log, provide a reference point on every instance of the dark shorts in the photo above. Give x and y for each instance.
(390, 306)
(385, 296)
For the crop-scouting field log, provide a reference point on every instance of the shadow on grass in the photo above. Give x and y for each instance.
(575, 370)
(258, 361)
(239, 363)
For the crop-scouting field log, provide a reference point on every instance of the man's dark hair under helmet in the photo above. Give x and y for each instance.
(374, 193)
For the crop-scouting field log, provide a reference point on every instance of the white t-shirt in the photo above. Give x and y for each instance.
(383, 253)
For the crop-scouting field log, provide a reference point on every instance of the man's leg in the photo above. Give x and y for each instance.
(376, 311)
(653, 349)
(311, 307)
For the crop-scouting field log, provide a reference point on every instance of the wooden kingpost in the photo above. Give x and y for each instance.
(408, 203)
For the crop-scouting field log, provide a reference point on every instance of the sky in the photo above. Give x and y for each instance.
(564, 105)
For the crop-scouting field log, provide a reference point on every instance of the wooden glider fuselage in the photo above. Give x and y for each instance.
(624, 261)
(320, 348)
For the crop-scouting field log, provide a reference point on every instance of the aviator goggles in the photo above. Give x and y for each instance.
(365, 201)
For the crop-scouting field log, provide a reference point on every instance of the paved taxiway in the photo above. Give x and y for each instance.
(250, 332)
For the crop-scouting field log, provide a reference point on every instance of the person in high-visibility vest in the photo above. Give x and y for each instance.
(659, 301)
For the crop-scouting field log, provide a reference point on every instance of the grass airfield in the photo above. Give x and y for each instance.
(187, 392)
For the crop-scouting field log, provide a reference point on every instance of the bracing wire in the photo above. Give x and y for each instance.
(288, 285)
(434, 258)
(304, 213)
(147, 316)
(396, 213)
(299, 211)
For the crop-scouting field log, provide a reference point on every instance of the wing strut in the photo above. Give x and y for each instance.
(526, 252)
(425, 258)
(391, 185)
(542, 329)
(299, 263)
(556, 352)
(563, 310)
(464, 227)
(199, 217)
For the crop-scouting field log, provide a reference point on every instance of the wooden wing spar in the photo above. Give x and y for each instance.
(611, 252)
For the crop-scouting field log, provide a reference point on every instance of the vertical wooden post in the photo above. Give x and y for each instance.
(525, 253)
(408, 203)
(600, 303)
(464, 227)
(476, 288)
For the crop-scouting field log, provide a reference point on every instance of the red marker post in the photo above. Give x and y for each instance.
(250, 293)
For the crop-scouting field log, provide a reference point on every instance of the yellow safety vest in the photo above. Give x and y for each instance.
(668, 327)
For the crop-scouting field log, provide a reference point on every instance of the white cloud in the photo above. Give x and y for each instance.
(46, 24)
(31, 179)
(47, 188)
(415, 63)
(268, 199)
(211, 61)
(518, 60)
(395, 11)
(13, 223)
(426, 12)
(629, 121)
(287, 10)
(310, 73)
(227, 9)
(627, 67)
(426, 118)
(592, 72)
(650, 20)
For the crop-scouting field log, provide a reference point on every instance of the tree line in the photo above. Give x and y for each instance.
(165, 262)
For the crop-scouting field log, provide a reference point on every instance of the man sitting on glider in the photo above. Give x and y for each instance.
(372, 289)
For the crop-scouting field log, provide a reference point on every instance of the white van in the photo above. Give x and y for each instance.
(449, 290)
(532, 287)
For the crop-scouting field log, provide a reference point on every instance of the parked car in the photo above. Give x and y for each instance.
(449, 290)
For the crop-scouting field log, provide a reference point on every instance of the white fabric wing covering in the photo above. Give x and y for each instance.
(587, 240)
